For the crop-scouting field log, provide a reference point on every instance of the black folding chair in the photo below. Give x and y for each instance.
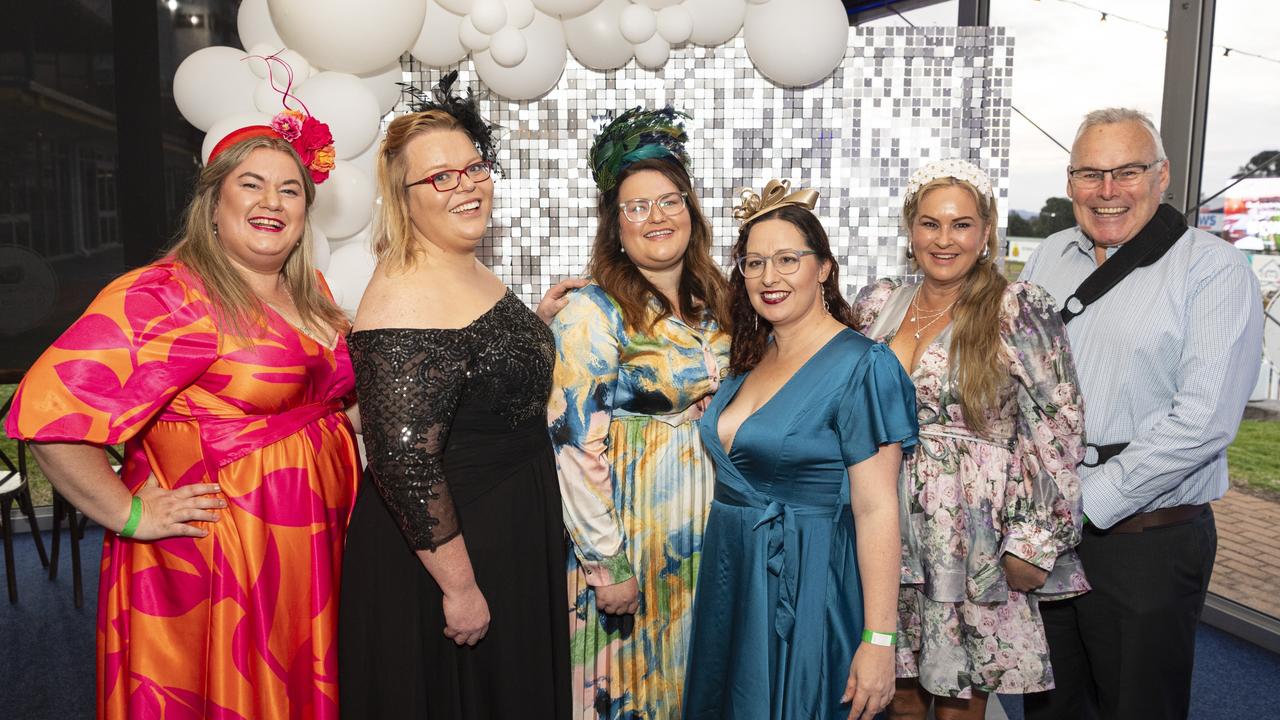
(14, 485)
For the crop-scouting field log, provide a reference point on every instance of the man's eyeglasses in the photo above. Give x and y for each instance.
(637, 210)
(784, 261)
(1124, 176)
(446, 180)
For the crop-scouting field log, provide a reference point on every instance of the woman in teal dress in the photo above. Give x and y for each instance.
(796, 601)
(638, 353)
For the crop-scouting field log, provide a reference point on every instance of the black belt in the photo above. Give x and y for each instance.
(1096, 455)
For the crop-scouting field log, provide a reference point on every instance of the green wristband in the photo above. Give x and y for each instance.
(135, 516)
(878, 638)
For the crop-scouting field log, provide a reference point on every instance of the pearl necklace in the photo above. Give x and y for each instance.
(915, 314)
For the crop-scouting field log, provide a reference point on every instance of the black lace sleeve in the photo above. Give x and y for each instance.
(409, 383)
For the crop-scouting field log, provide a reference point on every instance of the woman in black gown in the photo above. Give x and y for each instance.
(452, 602)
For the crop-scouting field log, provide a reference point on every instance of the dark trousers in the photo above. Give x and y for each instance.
(1126, 649)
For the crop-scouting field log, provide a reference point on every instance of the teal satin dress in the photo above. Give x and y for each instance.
(778, 609)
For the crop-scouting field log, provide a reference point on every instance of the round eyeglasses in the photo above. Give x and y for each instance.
(446, 180)
(1124, 176)
(785, 262)
(637, 210)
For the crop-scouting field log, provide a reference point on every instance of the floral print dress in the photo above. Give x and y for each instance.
(967, 499)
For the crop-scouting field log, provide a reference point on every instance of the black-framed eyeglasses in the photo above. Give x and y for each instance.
(637, 210)
(784, 261)
(446, 180)
(1124, 176)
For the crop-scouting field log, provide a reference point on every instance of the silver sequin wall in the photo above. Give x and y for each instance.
(901, 97)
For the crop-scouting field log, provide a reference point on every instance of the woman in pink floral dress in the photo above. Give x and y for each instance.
(991, 500)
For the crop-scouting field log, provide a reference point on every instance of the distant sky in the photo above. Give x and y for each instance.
(1067, 62)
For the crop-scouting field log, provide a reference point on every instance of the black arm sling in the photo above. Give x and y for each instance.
(1148, 246)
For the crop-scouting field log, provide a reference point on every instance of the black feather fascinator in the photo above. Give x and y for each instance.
(635, 135)
(466, 110)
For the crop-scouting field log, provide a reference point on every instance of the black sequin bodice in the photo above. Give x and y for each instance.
(418, 386)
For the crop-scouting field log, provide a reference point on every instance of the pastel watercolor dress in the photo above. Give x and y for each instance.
(241, 623)
(968, 499)
(636, 484)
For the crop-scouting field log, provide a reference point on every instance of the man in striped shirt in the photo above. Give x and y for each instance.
(1167, 358)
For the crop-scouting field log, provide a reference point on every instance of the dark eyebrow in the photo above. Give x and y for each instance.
(925, 216)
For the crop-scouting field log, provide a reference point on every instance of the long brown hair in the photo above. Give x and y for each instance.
(700, 277)
(237, 309)
(750, 330)
(977, 371)
(393, 241)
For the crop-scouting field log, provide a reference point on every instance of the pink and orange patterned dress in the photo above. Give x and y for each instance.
(241, 623)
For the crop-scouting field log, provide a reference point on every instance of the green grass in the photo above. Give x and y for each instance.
(41, 493)
(1012, 268)
(1253, 458)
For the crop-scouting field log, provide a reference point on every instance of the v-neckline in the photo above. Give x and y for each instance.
(332, 347)
(894, 327)
(733, 393)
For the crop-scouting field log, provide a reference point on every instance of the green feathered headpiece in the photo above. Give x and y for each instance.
(635, 135)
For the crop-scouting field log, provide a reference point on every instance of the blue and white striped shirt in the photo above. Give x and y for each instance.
(1167, 360)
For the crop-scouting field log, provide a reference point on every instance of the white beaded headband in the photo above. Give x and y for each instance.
(953, 168)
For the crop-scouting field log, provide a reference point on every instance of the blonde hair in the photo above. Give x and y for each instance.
(977, 372)
(236, 308)
(393, 241)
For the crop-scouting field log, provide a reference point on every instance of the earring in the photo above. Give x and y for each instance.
(986, 254)
(215, 229)
(826, 308)
(911, 253)
(622, 249)
(755, 321)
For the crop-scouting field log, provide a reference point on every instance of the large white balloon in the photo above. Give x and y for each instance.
(253, 25)
(541, 67)
(565, 8)
(383, 85)
(488, 15)
(212, 83)
(438, 44)
(320, 250)
(715, 22)
(654, 52)
(226, 126)
(347, 36)
(638, 23)
(367, 161)
(508, 47)
(675, 24)
(344, 202)
(595, 38)
(269, 100)
(520, 13)
(350, 268)
(347, 106)
(773, 32)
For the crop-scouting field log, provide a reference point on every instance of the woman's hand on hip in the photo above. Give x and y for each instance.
(466, 615)
(620, 599)
(1022, 575)
(871, 681)
(170, 513)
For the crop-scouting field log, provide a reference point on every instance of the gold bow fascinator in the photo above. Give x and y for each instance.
(776, 194)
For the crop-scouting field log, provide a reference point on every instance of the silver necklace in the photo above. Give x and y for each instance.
(916, 314)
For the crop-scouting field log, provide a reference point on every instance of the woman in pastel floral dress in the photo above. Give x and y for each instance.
(990, 500)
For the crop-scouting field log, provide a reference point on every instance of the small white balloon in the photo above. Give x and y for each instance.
(773, 31)
(344, 202)
(565, 8)
(348, 107)
(595, 37)
(253, 25)
(320, 250)
(346, 36)
(471, 38)
(488, 15)
(541, 68)
(657, 4)
(457, 7)
(438, 44)
(213, 83)
(653, 53)
(350, 268)
(260, 50)
(226, 126)
(520, 13)
(288, 67)
(638, 24)
(675, 24)
(384, 86)
(715, 22)
(508, 47)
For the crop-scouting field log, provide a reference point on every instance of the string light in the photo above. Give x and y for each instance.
(1105, 15)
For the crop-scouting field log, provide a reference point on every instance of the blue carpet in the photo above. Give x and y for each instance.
(47, 656)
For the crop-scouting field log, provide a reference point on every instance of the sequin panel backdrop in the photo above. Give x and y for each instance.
(901, 97)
